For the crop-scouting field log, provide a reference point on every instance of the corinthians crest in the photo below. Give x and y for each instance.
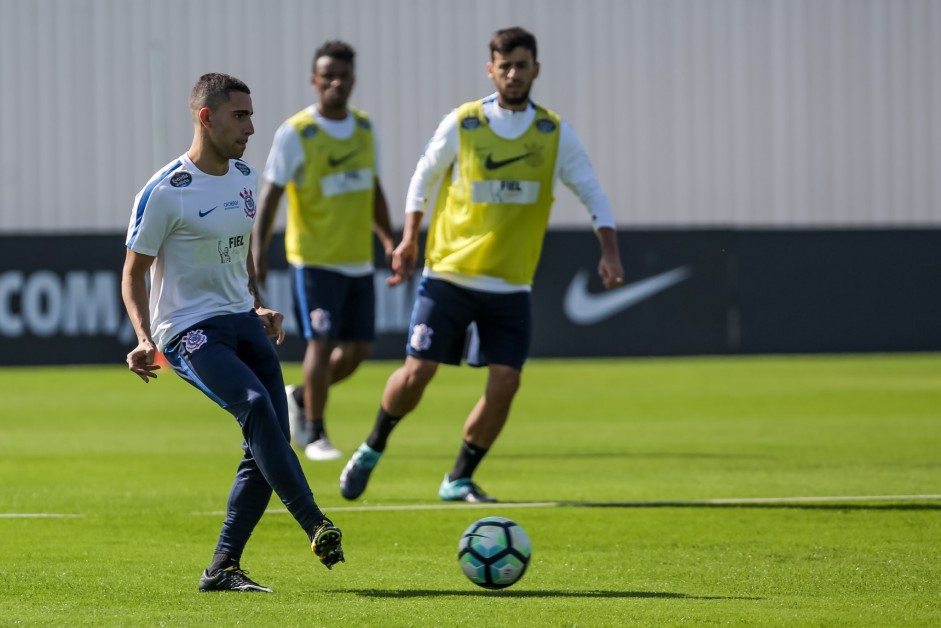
(421, 337)
(249, 199)
(193, 340)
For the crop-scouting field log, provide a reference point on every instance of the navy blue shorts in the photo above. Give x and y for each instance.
(332, 305)
(443, 312)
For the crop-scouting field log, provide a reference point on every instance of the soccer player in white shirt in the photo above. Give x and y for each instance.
(497, 160)
(190, 228)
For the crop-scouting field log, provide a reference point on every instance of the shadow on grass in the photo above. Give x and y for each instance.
(553, 456)
(783, 505)
(412, 593)
(653, 455)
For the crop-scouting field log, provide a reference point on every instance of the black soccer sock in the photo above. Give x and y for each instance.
(222, 560)
(317, 523)
(298, 393)
(381, 430)
(316, 430)
(467, 460)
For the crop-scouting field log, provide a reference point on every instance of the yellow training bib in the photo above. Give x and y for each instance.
(330, 214)
(491, 220)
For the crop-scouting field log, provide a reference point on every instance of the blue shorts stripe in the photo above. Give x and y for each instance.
(303, 305)
(181, 366)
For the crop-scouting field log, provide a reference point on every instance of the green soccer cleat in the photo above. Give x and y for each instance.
(462, 490)
(355, 474)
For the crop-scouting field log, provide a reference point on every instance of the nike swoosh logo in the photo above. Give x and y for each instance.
(203, 214)
(336, 161)
(490, 164)
(586, 308)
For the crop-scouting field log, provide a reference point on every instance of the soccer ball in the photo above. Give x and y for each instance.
(494, 552)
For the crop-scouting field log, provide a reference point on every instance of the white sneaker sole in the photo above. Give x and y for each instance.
(312, 452)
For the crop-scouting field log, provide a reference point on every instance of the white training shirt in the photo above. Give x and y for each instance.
(199, 227)
(286, 163)
(572, 167)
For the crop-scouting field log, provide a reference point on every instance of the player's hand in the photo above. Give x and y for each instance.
(403, 262)
(273, 322)
(611, 272)
(140, 361)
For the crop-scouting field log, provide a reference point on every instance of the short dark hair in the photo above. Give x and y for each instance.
(506, 39)
(335, 49)
(212, 89)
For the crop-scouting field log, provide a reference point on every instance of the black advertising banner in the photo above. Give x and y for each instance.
(686, 293)
(60, 300)
(843, 291)
(675, 298)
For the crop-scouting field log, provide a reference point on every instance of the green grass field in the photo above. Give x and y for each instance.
(633, 449)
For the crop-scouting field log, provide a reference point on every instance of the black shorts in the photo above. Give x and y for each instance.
(443, 312)
(332, 305)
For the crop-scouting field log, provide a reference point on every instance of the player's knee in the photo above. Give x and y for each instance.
(504, 382)
(258, 404)
(419, 372)
(320, 349)
(355, 353)
(254, 411)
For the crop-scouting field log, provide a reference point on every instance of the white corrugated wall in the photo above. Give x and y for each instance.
(696, 113)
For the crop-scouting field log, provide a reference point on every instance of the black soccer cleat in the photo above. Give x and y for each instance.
(325, 543)
(230, 579)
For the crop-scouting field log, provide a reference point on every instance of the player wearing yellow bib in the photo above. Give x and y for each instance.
(325, 158)
(497, 160)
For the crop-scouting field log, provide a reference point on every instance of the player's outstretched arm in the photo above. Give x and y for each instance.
(140, 360)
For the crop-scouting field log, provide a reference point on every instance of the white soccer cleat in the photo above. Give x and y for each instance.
(322, 449)
(296, 419)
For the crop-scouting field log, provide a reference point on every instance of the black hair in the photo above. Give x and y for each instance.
(335, 49)
(506, 39)
(212, 89)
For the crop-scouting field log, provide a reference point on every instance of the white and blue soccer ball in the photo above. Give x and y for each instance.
(494, 552)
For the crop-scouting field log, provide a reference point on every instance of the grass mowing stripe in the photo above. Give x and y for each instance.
(811, 499)
(731, 501)
(37, 515)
